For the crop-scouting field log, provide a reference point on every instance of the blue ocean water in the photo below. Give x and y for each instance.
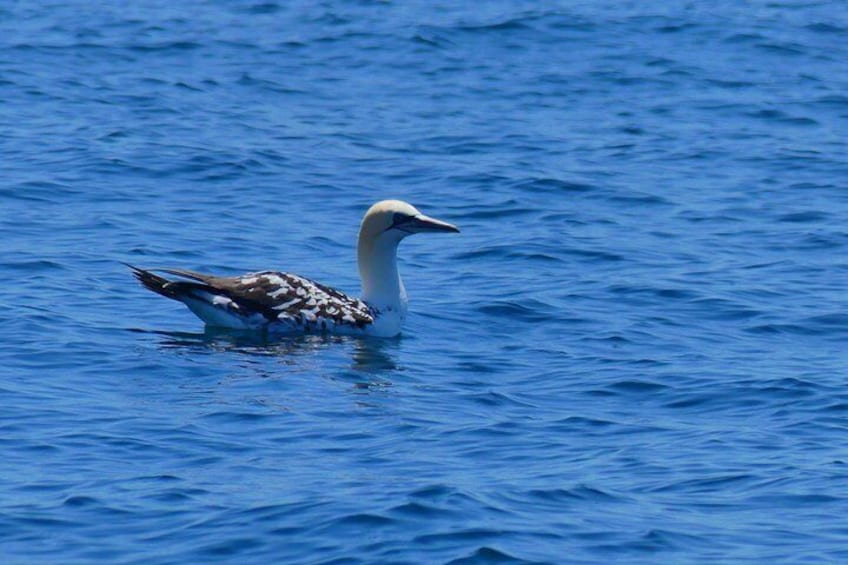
(634, 352)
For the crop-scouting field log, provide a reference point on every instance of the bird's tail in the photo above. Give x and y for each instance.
(157, 284)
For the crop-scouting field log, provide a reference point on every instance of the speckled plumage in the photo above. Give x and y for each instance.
(278, 301)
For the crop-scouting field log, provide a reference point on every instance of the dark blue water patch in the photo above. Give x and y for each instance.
(778, 115)
(233, 417)
(807, 329)
(526, 311)
(723, 309)
(581, 492)
(551, 185)
(704, 486)
(231, 547)
(516, 24)
(498, 400)
(172, 48)
(30, 267)
(805, 217)
(487, 554)
(417, 510)
(664, 294)
(594, 256)
(825, 27)
(464, 535)
(837, 100)
(637, 387)
(263, 8)
(81, 501)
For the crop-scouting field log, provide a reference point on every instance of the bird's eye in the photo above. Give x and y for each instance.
(400, 218)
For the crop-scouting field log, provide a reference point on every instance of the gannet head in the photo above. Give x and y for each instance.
(393, 220)
(384, 226)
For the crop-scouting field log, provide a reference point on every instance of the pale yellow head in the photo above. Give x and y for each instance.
(398, 219)
(385, 224)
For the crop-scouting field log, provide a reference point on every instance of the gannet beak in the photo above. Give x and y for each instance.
(423, 224)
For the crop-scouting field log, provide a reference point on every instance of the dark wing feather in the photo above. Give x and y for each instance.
(203, 291)
(290, 297)
(194, 275)
(279, 297)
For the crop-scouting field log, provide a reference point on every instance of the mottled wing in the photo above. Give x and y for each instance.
(288, 298)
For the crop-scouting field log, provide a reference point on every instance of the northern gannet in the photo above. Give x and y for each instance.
(286, 303)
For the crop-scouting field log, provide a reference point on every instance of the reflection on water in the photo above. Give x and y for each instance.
(373, 356)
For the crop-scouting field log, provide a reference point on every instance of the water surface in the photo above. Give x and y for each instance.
(634, 352)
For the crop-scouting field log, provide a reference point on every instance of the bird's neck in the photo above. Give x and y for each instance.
(381, 284)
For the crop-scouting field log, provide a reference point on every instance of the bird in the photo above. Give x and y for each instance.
(283, 303)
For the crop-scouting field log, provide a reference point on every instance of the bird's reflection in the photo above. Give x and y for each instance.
(373, 357)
